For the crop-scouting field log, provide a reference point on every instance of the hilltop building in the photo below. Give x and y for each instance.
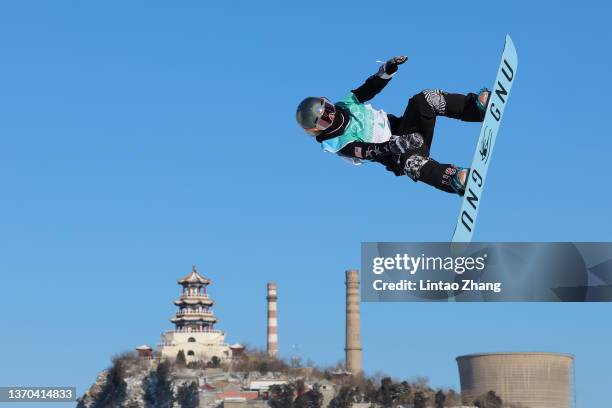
(194, 324)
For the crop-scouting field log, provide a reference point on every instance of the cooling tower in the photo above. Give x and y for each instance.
(534, 380)
(353, 331)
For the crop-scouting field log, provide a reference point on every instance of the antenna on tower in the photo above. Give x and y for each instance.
(296, 355)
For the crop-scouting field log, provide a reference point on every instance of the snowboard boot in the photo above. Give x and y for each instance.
(483, 99)
(459, 180)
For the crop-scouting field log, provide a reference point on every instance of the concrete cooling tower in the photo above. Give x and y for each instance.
(533, 380)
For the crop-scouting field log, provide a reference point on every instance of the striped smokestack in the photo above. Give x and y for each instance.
(353, 331)
(272, 321)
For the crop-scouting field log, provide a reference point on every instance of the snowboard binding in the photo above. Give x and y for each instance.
(459, 180)
(483, 99)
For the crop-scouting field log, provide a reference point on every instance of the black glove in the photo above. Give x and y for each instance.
(390, 67)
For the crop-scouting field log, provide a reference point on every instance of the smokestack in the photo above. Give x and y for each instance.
(353, 331)
(272, 321)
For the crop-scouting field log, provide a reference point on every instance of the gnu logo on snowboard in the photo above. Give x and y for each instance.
(485, 146)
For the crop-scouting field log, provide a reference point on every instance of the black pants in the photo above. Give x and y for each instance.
(420, 119)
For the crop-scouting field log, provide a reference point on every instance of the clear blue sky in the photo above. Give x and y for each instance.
(137, 140)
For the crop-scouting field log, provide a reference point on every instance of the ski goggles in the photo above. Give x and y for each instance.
(325, 116)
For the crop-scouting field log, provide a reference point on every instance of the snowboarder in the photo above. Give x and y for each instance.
(355, 130)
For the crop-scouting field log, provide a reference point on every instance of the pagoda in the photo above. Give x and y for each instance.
(194, 324)
(194, 314)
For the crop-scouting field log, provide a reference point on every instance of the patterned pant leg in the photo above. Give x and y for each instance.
(414, 164)
(418, 124)
(453, 105)
(463, 107)
(420, 115)
(436, 99)
(425, 169)
(403, 144)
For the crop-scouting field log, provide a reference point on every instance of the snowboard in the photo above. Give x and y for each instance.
(500, 92)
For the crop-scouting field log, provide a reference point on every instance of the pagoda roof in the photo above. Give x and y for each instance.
(194, 277)
(194, 300)
(194, 317)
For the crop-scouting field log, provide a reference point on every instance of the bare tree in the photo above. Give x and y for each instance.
(489, 400)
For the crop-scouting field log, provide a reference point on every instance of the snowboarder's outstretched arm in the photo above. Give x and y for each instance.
(375, 83)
